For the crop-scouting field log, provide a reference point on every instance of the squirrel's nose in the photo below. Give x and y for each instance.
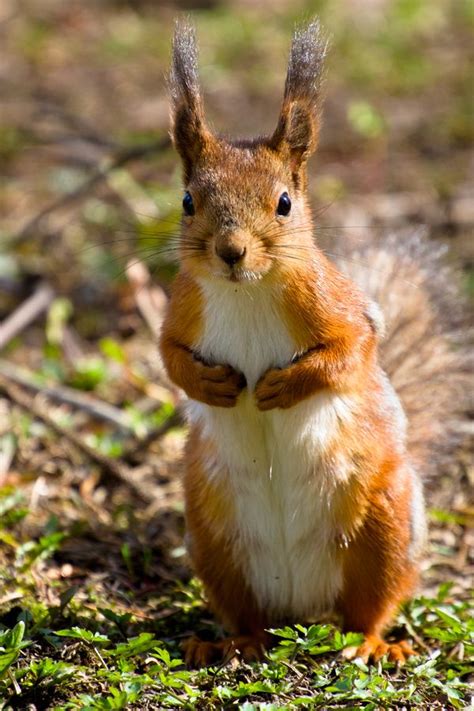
(230, 254)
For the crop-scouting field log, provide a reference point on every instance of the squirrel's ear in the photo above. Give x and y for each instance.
(296, 134)
(188, 129)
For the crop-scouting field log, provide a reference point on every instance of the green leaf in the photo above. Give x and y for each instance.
(113, 350)
(119, 620)
(55, 672)
(66, 596)
(316, 633)
(42, 549)
(127, 557)
(89, 373)
(136, 645)
(365, 119)
(6, 660)
(448, 615)
(84, 635)
(12, 639)
(352, 639)
(9, 501)
(58, 315)
(285, 633)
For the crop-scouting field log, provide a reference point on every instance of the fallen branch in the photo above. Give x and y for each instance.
(151, 300)
(119, 471)
(97, 408)
(130, 455)
(92, 406)
(26, 313)
(97, 177)
(7, 453)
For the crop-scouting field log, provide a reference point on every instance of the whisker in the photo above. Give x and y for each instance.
(324, 208)
(283, 256)
(109, 243)
(148, 254)
(153, 243)
(335, 255)
(144, 251)
(175, 221)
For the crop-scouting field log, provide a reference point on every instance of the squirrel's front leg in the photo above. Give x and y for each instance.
(276, 388)
(216, 385)
(320, 367)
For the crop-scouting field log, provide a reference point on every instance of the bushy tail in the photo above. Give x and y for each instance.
(425, 348)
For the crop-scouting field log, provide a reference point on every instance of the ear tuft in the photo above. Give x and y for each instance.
(306, 64)
(187, 118)
(183, 78)
(298, 126)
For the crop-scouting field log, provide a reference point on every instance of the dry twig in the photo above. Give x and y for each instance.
(98, 176)
(97, 408)
(119, 471)
(151, 300)
(154, 435)
(26, 313)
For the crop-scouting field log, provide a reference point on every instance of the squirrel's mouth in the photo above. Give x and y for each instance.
(250, 268)
(239, 274)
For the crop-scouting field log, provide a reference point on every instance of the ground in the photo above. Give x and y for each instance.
(96, 594)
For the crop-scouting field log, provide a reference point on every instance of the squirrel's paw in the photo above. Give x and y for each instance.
(272, 390)
(220, 385)
(198, 653)
(374, 648)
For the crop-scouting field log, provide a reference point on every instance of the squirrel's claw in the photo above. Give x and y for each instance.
(271, 390)
(374, 648)
(199, 653)
(220, 385)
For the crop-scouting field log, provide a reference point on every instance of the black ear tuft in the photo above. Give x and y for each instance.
(187, 118)
(298, 126)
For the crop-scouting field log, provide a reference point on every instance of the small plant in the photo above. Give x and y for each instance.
(83, 647)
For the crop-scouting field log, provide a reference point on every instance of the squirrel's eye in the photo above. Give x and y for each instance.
(188, 205)
(284, 205)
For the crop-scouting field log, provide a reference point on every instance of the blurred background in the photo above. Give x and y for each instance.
(89, 181)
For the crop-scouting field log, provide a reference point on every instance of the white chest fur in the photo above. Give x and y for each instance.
(243, 327)
(273, 462)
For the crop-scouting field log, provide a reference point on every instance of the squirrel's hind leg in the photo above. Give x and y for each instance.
(379, 573)
(218, 561)
(250, 648)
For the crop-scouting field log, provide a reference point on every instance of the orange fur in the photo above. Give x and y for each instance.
(208, 510)
(325, 315)
(235, 190)
(377, 575)
(215, 385)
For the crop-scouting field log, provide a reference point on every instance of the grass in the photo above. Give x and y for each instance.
(99, 636)
(95, 593)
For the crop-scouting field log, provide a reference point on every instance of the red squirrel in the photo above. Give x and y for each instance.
(302, 487)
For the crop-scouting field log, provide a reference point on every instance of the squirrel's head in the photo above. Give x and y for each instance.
(245, 212)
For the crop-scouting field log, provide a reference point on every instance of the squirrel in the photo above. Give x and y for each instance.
(302, 469)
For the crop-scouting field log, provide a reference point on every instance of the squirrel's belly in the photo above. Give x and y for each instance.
(280, 470)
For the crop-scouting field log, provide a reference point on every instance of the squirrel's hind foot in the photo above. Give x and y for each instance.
(199, 653)
(374, 648)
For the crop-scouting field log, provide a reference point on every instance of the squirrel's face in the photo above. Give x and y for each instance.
(244, 210)
(244, 216)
